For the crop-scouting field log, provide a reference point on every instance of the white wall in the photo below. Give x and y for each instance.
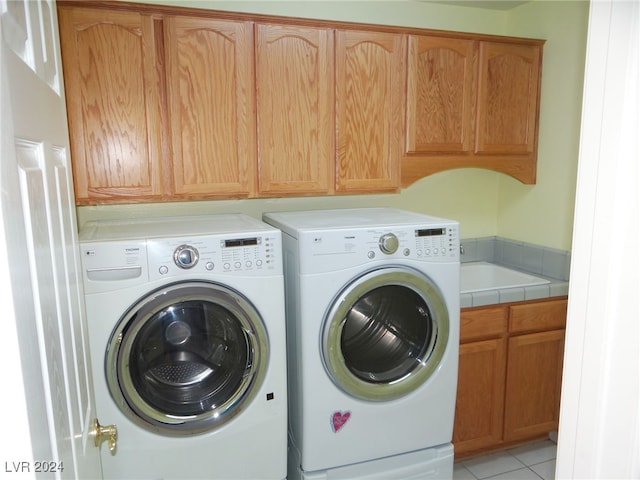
(599, 434)
(543, 213)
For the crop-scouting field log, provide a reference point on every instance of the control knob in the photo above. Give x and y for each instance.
(388, 243)
(186, 256)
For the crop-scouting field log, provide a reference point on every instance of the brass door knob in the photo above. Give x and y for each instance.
(106, 432)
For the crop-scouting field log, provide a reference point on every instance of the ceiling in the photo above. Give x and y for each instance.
(489, 4)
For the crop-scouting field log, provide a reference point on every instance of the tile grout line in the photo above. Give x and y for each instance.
(515, 456)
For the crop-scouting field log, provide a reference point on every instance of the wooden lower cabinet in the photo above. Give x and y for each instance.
(534, 377)
(509, 374)
(480, 395)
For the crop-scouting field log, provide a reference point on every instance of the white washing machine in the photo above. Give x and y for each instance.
(372, 301)
(187, 333)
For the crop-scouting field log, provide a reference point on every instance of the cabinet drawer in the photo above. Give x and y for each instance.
(482, 323)
(546, 315)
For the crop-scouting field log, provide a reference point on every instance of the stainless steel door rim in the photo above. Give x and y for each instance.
(187, 357)
(385, 333)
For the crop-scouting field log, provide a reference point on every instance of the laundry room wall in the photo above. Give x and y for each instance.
(543, 213)
(485, 203)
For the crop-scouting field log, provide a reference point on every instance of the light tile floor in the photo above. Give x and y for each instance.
(533, 461)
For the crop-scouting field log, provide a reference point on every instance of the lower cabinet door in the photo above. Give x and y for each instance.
(480, 398)
(534, 378)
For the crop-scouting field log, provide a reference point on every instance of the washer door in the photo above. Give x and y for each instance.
(385, 334)
(187, 358)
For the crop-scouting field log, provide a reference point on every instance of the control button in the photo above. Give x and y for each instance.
(163, 270)
(248, 264)
(444, 251)
(419, 252)
(371, 254)
(428, 251)
(406, 252)
(209, 266)
(259, 263)
(388, 243)
(227, 266)
(185, 256)
(237, 264)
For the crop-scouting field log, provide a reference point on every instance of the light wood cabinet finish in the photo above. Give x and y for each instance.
(113, 103)
(533, 317)
(472, 103)
(370, 80)
(440, 95)
(295, 108)
(510, 374)
(210, 94)
(484, 322)
(172, 103)
(508, 99)
(480, 396)
(534, 378)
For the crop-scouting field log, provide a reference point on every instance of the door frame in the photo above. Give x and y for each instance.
(51, 427)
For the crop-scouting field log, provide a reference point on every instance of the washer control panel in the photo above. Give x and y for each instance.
(252, 254)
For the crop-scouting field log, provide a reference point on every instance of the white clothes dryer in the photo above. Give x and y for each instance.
(187, 335)
(372, 302)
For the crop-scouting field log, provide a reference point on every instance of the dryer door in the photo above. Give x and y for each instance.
(385, 334)
(186, 358)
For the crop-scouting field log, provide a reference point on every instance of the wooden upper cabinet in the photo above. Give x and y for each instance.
(210, 95)
(111, 88)
(370, 83)
(440, 89)
(472, 103)
(295, 108)
(509, 82)
(171, 103)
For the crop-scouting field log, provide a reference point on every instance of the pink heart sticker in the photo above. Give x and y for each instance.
(338, 419)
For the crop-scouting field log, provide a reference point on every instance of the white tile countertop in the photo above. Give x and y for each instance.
(496, 270)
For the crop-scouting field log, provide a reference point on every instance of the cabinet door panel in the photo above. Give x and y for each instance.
(370, 81)
(508, 98)
(112, 86)
(534, 377)
(440, 94)
(210, 93)
(295, 100)
(480, 396)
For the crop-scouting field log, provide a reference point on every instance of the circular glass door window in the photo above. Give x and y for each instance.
(385, 334)
(186, 358)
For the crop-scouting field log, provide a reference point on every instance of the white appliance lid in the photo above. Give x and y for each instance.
(158, 227)
(349, 218)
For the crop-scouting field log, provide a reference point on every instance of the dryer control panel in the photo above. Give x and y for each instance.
(340, 248)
